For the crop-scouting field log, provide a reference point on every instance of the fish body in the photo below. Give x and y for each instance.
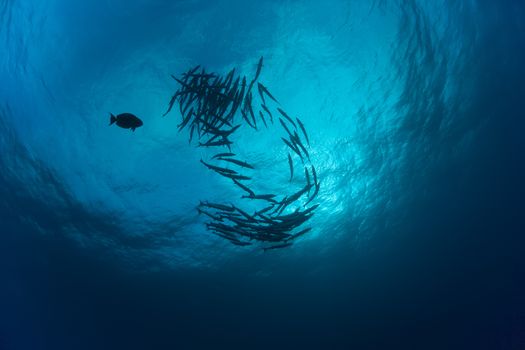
(200, 211)
(219, 169)
(246, 215)
(297, 141)
(298, 194)
(126, 121)
(216, 143)
(234, 176)
(317, 186)
(267, 111)
(293, 148)
(290, 163)
(266, 197)
(220, 132)
(217, 206)
(285, 127)
(264, 210)
(300, 233)
(237, 162)
(171, 103)
(284, 245)
(314, 173)
(259, 67)
(312, 208)
(307, 176)
(283, 113)
(240, 243)
(301, 125)
(262, 117)
(263, 90)
(245, 188)
(223, 155)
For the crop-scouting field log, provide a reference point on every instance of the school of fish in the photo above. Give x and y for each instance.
(210, 106)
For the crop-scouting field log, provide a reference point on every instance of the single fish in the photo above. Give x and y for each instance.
(266, 197)
(217, 206)
(244, 115)
(264, 210)
(219, 169)
(307, 176)
(219, 155)
(262, 117)
(206, 76)
(265, 218)
(220, 132)
(185, 121)
(250, 86)
(314, 174)
(234, 176)
(312, 208)
(237, 162)
(317, 186)
(301, 125)
(261, 93)
(126, 121)
(245, 188)
(191, 71)
(223, 142)
(295, 138)
(259, 67)
(243, 88)
(293, 148)
(283, 113)
(290, 163)
(267, 111)
(229, 78)
(250, 108)
(186, 85)
(298, 194)
(241, 243)
(264, 90)
(285, 127)
(284, 245)
(246, 215)
(300, 233)
(281, 205)
(208, 214)
(172, 101)
(191, 133)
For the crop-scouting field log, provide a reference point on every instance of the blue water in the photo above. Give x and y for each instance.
(415, 116)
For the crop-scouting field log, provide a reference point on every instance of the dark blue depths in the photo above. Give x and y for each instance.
(415, 117)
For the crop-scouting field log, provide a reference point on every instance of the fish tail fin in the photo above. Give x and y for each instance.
(112, 118)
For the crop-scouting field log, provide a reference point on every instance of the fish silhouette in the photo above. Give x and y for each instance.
(126, 121)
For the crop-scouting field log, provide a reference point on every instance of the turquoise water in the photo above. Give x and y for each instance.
(414, 114)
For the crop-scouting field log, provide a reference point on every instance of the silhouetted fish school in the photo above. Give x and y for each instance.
(213, 108)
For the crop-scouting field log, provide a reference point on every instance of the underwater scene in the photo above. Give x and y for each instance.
(273, 174)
